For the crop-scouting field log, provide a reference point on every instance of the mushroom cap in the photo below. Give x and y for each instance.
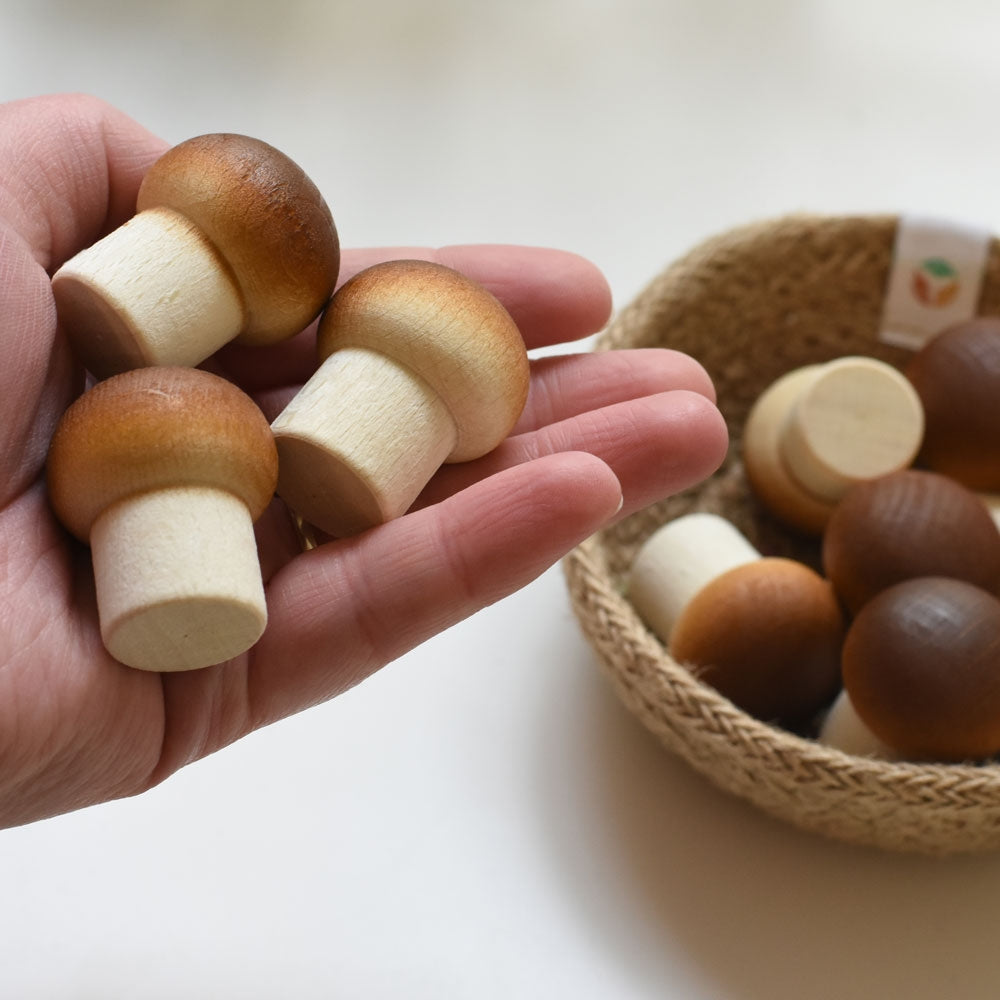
(449, 330)
(265, 217)
(156, 428)
(908, 524)
(957, 376)
(767, 635)
(921, 665)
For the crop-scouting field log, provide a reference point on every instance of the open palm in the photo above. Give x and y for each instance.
(76, 727)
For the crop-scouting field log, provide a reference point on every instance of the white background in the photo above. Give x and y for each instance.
(483, 820)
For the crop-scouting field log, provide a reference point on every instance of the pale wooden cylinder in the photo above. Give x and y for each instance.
(153, 292)
(178, 579)
(677, 561)
(859, 418)
(359, 442)
(819, 429)
(843, 729)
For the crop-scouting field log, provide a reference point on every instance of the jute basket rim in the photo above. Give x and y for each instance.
(751, 304)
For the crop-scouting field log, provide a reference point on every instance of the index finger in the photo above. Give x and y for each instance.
(554, 296)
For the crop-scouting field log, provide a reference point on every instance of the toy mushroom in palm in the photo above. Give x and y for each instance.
(764, 631)
(163, 472)
(231, 240)
(922, 671)
(909, 524)
(957, 376)
(420, 366)
(818, 430)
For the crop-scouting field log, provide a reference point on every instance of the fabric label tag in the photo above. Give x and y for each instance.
(936, 276)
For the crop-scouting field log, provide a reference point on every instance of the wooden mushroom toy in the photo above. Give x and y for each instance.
(957, 376)
(765, 632)
(818, 430)
(163, 472)
(909, 524)
(231, 240)
(419, 366)
(921, 667)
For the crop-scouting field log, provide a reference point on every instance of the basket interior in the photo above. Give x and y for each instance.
(751, 305)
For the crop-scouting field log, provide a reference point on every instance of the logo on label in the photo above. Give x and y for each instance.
(935, 283)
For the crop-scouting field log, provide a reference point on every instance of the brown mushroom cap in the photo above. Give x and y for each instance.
(957, 376)
(265, 217)
(767, 635)
(155, 428)
(908, 524)
(922, 668)
(449, 330)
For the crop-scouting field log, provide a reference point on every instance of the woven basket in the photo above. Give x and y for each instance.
(750, 305)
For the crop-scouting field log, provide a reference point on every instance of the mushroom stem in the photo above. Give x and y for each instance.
(677, 561)
(178, 580)
(820, 429)
(843, 729)
(153, 292)
(359, 441)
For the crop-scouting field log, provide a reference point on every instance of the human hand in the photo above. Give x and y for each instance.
(76, 727)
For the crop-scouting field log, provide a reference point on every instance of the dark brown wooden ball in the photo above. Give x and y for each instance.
(767, 635)
(921, 665)
(908, 524)
(957, 377)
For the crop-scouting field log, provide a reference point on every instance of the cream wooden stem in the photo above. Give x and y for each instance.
(678, 560)
(858, 419)
(992, 501)
(359, 441)
(178, 579)
(153, 292)
(820, 429)
(844, 730)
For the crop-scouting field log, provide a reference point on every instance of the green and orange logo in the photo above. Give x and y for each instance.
(935, 282)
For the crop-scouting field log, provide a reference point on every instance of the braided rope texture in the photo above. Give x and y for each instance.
(750, 305)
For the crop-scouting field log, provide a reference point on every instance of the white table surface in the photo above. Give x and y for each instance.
(483, 819)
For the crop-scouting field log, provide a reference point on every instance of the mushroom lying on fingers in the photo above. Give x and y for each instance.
(419, 366)
(162, 471)
(231, 240)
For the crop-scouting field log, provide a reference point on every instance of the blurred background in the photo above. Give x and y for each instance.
(482, 819)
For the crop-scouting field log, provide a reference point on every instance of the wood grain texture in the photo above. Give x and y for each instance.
(767, 635)
(231, 240)
(818, 430)
(153, 292)
(177, 578)
(359, 441)
(449, 330)
(153, 428)
(420, 366)
(163, 471)
(957, 375)
(679, 560)
(922, 666)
